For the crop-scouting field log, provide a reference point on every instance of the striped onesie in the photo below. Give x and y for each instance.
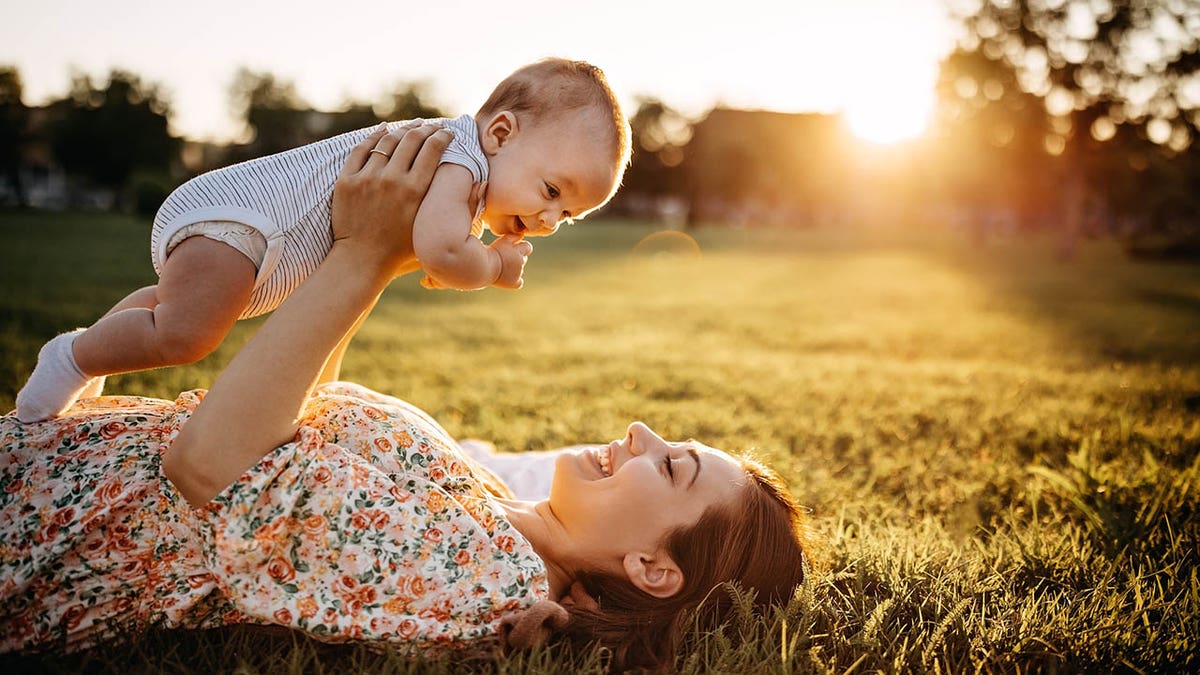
(287, 199)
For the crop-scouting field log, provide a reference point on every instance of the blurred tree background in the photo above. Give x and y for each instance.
(1079, 114)
(1073, 117)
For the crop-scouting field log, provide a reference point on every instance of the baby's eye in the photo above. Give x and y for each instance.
(552, 191)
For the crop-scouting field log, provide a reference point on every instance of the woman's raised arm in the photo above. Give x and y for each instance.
(254, 404)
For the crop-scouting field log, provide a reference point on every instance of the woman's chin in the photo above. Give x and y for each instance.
(571, 471)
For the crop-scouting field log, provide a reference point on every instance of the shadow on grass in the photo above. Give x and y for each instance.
(263, 649)
(1103, 305)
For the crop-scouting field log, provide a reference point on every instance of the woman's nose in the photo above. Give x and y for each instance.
(643, 439)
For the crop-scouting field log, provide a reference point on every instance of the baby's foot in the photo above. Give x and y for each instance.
(55, 383)
(93, 388)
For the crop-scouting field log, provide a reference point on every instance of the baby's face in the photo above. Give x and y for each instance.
(547, 173)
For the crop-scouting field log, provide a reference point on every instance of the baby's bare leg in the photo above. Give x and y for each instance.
(142, 297)
(203, 288)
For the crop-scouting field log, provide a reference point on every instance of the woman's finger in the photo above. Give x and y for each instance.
(382, 152)
(430, 155)
(359, 155)
(408, 147)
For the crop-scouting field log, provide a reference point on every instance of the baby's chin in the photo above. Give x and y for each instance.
(501, 226)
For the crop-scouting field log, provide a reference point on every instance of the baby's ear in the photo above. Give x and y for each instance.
(499, 130)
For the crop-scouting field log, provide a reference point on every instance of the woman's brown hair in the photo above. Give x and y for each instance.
(757, 542)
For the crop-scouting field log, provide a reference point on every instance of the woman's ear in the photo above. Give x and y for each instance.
(655, 574)
(499, 130)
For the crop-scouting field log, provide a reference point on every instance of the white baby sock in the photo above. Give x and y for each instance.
(55, 383)
(93, 388)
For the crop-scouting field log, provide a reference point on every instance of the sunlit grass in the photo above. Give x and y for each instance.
(999, 449)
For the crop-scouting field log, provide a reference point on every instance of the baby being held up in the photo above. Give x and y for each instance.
(548, 146)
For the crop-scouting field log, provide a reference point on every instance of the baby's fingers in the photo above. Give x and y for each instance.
(517, 244)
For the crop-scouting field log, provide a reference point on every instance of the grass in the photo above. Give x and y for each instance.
(999, 449)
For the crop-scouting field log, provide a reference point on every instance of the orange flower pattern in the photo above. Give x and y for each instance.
(370, 525)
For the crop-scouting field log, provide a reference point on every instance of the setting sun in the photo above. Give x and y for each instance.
(892, 106)
(886, 123)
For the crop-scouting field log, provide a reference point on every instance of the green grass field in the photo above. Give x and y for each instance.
(999, 449)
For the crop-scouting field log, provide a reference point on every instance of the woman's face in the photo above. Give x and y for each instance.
(627, 496)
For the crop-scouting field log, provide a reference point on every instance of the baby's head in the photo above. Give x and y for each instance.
(557, 144)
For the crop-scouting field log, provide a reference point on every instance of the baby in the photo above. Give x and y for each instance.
(548, 146)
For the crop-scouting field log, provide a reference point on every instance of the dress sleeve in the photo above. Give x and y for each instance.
(316, 537)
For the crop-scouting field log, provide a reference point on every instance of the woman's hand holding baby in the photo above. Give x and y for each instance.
(379, 191)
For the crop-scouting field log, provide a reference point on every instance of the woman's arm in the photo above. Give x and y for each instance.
(333, 365)
(255, 403)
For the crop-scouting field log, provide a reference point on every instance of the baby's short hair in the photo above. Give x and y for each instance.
(552, 86)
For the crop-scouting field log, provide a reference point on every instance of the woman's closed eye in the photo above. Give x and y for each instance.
(670, 469)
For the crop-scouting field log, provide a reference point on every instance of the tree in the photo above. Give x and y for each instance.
(106, 133)
(1120, 84)
(14, 118)
(991, 151)
(273, 110)
(1135, 61)
(659, 136)
(409, 101)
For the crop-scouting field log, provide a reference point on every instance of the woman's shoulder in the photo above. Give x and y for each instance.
(393, 436)
(356, 408)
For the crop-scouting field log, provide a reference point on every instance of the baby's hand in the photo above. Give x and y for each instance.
(513, 251)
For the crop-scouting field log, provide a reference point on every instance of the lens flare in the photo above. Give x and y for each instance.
(667, 244)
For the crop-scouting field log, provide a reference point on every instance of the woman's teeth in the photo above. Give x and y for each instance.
(604, 455)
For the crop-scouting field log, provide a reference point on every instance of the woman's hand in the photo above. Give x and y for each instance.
(378, 192)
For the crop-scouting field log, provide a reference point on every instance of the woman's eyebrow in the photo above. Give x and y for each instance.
(694, 454)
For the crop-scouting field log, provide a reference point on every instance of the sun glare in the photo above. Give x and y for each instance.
(886, 120)
(891, 101)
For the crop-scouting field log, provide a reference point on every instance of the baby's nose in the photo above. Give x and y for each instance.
(547, 225)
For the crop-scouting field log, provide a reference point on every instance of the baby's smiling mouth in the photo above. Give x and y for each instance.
(520, 224)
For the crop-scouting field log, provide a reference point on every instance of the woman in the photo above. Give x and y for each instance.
(281, 497)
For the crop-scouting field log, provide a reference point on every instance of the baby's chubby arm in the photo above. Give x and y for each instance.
(442, 240)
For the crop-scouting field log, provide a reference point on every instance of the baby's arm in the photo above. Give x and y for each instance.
(442, 239)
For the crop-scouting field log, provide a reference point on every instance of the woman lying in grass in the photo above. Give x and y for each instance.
(282, 497)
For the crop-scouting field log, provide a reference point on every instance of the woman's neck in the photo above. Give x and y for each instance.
(536, 522)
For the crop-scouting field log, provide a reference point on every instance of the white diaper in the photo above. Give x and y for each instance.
(247, 240)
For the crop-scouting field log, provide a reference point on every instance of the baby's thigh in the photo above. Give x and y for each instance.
(204, 285)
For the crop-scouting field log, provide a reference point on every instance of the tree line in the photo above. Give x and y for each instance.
(1073, 115)
(111, 134)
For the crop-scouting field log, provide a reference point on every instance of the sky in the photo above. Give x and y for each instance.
(875, 60)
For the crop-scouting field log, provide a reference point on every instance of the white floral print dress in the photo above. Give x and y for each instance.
(370, 525)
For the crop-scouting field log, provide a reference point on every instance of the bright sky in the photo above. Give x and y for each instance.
(874, 59)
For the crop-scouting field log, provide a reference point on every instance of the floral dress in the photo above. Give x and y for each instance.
(370, 525)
